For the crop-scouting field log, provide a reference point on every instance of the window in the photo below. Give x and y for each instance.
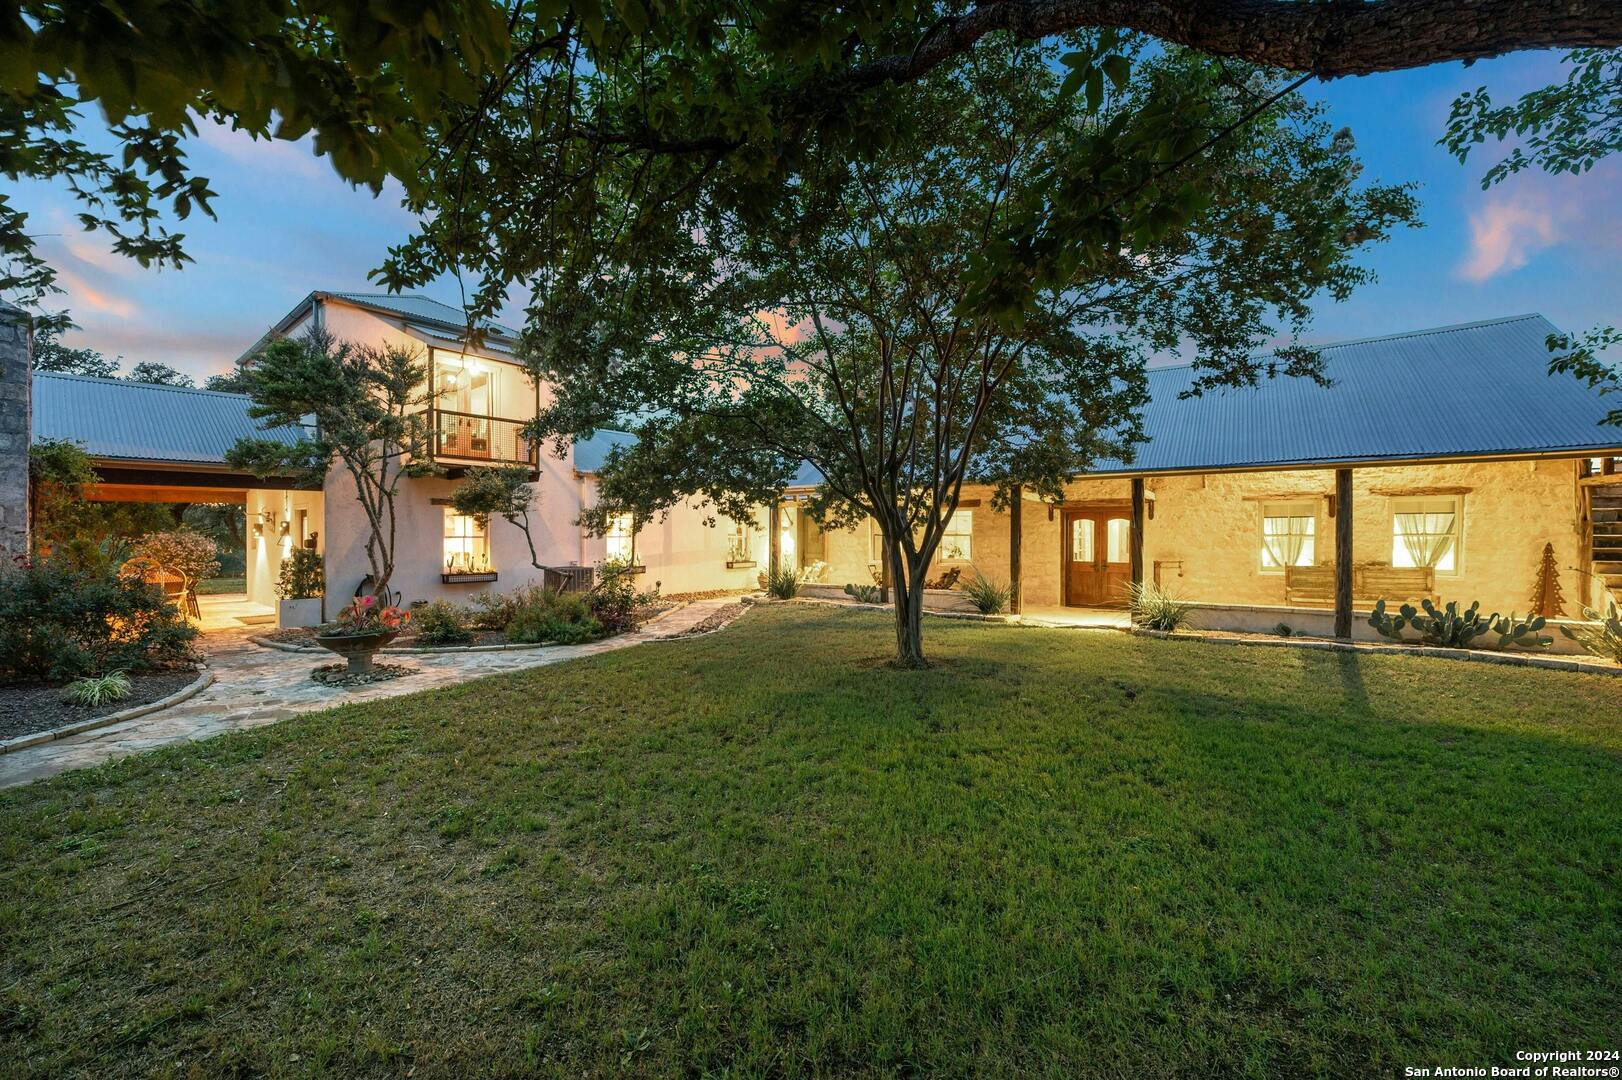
(1425, 532)
(1118, 540)
(740, 545)
(467, 544)
(1289, 535)
(957, 542)
(621, 540)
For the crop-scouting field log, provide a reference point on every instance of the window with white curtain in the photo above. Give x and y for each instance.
(1289, 534)
(1426, 532)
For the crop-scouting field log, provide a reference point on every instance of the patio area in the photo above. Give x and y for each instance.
(233, 611)
(1093, 617)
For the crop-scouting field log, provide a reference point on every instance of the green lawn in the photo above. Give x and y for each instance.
(764, 852)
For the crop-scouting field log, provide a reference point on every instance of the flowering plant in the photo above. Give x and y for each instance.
(365, 615)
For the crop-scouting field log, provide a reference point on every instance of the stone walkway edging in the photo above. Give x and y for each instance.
(967, 616)
(414, 650)
(204, 680)
(1479, 656)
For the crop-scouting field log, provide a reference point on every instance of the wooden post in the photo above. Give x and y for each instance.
(1014, 531)
(773, 540)
(1343, 553)
(1137, 530)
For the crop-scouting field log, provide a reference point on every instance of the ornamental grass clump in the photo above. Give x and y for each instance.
(1155, 608)
(783, 585)
(94, 690)
(988, 597)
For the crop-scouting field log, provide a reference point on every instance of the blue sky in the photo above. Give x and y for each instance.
(288, 225)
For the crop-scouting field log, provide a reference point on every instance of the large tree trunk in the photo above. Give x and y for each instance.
(907, 583)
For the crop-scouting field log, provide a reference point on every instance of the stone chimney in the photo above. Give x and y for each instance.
(16, 427)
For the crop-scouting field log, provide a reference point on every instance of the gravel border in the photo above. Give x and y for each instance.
(204, 680)
(1478, 656)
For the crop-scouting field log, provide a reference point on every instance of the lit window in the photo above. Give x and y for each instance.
(740, 545)
(1118, 540)
(620, 538)
(1425, 532)
(1288, 535)
(957, 542)
(467, 544)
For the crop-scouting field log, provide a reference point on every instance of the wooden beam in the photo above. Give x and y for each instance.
(1137, 530)
(1014, 531)
(1343, 553)
(156, 493)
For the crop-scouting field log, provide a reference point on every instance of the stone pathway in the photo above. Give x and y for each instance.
(254, 686)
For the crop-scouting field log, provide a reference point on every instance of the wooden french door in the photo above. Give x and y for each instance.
(1097, 557)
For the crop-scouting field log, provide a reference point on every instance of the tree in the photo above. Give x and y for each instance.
(864, 320)
(1567, 128)
(501, 491)
(180, 553)
(51, 355)
(237, 381)
(368, 407)
(58, 471)
(364, 78)
(151, 371)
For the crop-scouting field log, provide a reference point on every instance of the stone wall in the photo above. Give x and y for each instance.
(16, 428)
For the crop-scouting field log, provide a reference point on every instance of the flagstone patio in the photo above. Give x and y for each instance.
(254, 686)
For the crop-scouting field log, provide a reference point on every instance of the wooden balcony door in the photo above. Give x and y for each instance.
(1097, 557)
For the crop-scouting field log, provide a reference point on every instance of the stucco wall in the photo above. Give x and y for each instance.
(1206, 530)
(266, 552)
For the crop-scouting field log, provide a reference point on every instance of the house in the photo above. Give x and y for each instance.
(1439, 463)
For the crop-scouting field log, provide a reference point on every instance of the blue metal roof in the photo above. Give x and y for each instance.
(1475, 390)
(133, 421)
(589, 454)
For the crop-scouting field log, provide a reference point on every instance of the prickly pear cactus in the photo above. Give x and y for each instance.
(1449, 627)
(1387, 625)
(1521, 635)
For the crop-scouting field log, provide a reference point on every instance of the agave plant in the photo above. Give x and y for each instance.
(1604, 639)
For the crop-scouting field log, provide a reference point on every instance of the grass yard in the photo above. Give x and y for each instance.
(763, 852)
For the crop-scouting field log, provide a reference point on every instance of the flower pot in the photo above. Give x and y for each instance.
(298, 614)
(357, 649)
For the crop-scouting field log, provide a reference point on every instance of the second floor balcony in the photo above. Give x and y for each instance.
(464, 438)
(477, 408)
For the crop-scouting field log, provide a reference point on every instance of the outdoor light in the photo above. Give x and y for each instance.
(287, 528)
(259, 528)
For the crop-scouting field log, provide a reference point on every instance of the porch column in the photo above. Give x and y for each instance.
(773, 540)
(1013, 550)
(16, 427)
(1343, 553)
(1137, 530)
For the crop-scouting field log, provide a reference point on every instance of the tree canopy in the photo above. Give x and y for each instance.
(861, 314)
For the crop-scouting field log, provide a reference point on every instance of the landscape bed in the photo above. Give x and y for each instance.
(27, 710)
(770, 852)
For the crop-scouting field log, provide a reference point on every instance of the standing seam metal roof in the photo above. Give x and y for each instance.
(116, 419)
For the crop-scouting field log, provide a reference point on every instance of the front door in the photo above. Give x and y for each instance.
(1097, 557)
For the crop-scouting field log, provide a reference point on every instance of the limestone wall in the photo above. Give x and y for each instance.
(16, 428)
(1205, 531)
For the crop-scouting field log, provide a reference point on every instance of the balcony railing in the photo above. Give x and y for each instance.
(469, 437)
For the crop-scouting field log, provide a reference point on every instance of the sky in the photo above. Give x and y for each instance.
(287, 225)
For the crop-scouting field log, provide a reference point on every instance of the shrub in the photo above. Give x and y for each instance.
(988, 597)
(491, 611)
(783, 585)
(96, 690)
(612, 602)
(301, 576)
(58, 622)
(1604, 640)
(440, 623)
(182, 553)
(1159, 609)
(544, 615)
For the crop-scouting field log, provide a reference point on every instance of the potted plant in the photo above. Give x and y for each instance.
(362, 628)
(299, 587)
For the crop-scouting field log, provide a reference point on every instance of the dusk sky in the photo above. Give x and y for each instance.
(287, 225)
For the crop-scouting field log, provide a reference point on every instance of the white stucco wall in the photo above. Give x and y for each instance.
(265, 552)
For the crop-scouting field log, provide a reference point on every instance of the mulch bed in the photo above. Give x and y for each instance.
(25, 710)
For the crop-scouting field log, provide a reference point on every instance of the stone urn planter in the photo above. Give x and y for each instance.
(357, 649)
(298, 614)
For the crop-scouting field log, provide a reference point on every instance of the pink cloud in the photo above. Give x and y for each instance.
(1506, 232)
